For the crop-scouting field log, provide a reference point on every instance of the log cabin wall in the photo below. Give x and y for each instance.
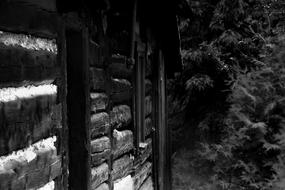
(31, 100)
(117, 163)
(34, 128)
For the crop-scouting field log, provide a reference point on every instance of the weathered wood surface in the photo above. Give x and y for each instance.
(141, 174)
(148, 105)
(100, 157)
(120, 116)
(100, 124)
(100, 144)
(148, 87)
(100, 150)
(42, 4)
(95, 57)
(147, 185)
(121, 91)
(119, 67)
(103, 186)
(99, 175)
(27, 18)
(123, 142)
(145, 152)
(121, 167)
(22, 66)
(98, 79)
(26, 121)
(124, 184)
(30, 168)
(49, 186)
(99, 102)
(148, 126)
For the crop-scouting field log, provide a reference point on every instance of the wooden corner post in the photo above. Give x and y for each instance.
(78, 108)
(162, 147)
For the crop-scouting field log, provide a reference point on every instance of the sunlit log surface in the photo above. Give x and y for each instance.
(32, 167)
(99, 175)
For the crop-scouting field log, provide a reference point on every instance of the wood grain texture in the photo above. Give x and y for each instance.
(31, 19)
(103, 186)
(99, 102)
(145, 152)
(99, 175)
(141, 174)
(148, 126)
(121, 167)
(120, 116)
(147, 185)
(26, 121)
(100, 124)
(100, 157)
(30, 168)
(20, 66)
(123, 142)
(100, 144)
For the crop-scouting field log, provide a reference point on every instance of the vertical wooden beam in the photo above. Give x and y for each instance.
(154, 135)
(164, 178)
(78, 109)
(138, 98)
(62, 184)
(142, 60)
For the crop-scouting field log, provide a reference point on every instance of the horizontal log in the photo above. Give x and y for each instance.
(26, 18)
(124, 184)
(123, 142)
(121, 91)
(141, 175)
(145, 151)
(120, 69)
(148, 106)
(49, 186)
(32, 167)
(100, 144)
(95, 57)
(99, 175)
(148, 126)
(120, 85)
(42, 4)
(39, 178)
(100, 157)
(148, 87)
(121, 167)
(22, 66)
(28, 42)
(147, 185)
(100, 124)
(26, 121)
(103, 186)
(99, 102)
(120, 116)
(98, 79)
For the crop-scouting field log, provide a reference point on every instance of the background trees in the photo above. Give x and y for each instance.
(231, 95)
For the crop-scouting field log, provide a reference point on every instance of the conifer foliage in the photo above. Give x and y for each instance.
(231, 94)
